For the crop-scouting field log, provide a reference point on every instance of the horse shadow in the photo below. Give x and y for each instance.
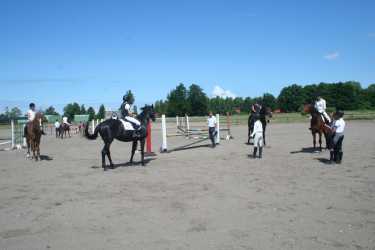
(127, 164)
(309, 150)
(45, 158)
(324, 161)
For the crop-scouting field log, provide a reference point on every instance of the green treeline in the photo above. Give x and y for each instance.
(342, 95)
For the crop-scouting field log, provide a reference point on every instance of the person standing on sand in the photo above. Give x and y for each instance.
(212, 126)
(258, 136)
(57, 128)
(338, 129)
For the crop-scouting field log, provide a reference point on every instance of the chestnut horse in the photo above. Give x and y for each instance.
(33, 135)
(317, 125)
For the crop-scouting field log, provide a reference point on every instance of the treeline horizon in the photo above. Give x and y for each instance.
(194, 101)
(69, 111)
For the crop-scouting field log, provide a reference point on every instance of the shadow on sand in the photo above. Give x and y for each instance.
(310, 150)
(324, 161)
(45, 158)
(128, 164)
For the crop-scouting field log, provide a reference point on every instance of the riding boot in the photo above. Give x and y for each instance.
(255, 152)
(331, 156)
(339, 157)
(260, 152)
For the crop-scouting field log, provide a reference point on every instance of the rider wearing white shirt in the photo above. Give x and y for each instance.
(65, 120)
(57, 127)
(30, 118)
(320, 106)
(212, 125)
(258, 136)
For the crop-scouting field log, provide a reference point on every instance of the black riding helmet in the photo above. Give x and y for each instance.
(339, 113)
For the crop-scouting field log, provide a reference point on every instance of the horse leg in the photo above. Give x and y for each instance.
(38, 150)
(264, 135)
(314, 139)
(107, 146)
(134, 148)
(320, 141)
(103, 157)
(248, 135)
(33, 148)
(143, 151)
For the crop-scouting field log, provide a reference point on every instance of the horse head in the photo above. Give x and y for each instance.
(39, 115)
(308, 108)
(148, 113)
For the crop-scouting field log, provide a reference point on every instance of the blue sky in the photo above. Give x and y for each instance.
(56, 52)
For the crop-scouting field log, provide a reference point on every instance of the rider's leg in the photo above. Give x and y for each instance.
(326, 117)
(133, 121)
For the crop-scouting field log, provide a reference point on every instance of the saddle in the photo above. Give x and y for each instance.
(127, 125)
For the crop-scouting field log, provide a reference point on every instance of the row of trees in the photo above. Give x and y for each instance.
(74, 108)
(70, 110)
(193, 101)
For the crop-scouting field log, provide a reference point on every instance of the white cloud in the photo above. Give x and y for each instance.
(220, 92)
(332, 56)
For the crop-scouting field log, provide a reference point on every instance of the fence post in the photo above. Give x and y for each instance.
(218, 129)
(187, 126)
(164, 132)
(12, 129)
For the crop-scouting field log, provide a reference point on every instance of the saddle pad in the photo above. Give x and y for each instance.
(127, 125)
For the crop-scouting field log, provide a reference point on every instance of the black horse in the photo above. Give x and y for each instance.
(265, 113)
(112, 129)
(63, 129)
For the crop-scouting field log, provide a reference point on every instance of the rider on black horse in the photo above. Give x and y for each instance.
(127, 115)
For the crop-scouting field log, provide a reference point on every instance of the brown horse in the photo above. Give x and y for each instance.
(34, 133)
(317, 125)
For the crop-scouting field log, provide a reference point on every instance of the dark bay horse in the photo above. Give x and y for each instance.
(265, 113)
(317, 126)
(63, 129)
(111, 129)
(33, 135)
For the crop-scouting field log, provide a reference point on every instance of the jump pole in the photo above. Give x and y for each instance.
(218, 128)
(187, 125)
(149, 141)
(12, 129)
(93, 125)
(164, 132)
(164, 146)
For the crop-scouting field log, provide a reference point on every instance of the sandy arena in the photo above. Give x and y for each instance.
(199, 198)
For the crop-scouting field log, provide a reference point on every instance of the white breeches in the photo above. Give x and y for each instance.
(326, 116)
(258, 140)
(133, 120)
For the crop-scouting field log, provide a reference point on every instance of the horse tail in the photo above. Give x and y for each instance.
(94, 135)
